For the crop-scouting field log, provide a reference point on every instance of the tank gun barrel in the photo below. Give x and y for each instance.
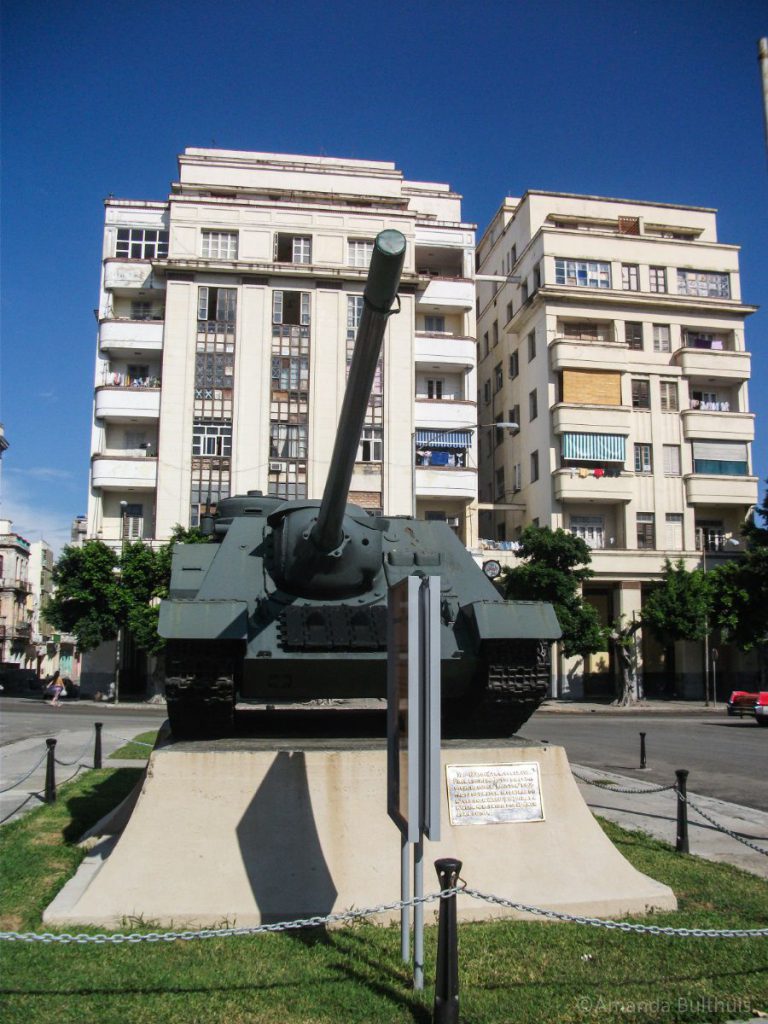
(380, 292)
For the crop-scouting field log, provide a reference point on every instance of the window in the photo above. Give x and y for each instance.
(704, 283)
(288, 441)
(498, 378)
(293, 249)
(534, 467)
(290, 308)
(524, 292)
(514, 365)
(658, 279)
(533, 405)
(435, 387)
(591, 529)
(371, 445)
(517, 477)
(514, 414)
(359, 252)
(433, 324)
(720, 458)
(661, 338)
(211, 438)
(643, 458)
(220, 245)
(510, 310)
(531, 346)
(705, 339)
(630, 277)
(629, 225)
(536, 277)
(132, 522)
(499, 484)
(495, 333)
(669, 401)
(633, 336)
(512, 257)
(672, 460)
(582, 273)
(216, 305)
(486, 345)
(141, 244)
(210, 483)
(487, 392)
(646, 533)
(674, 522)
(641, 394)
(141, 311)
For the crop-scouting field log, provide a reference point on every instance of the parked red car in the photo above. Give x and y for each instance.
(741, 702)
(761, 708)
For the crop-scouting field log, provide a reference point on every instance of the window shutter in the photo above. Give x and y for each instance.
(202, 302)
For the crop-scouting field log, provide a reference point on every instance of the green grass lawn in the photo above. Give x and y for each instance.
(510, 972)
(137, 748)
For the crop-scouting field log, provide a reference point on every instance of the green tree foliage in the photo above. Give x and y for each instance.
(554, 567)
(740, 589)
(98, 591)
(679, 606)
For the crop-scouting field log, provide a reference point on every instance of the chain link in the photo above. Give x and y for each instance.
(24, 778)
(721, 828)
(123, 739)
(620, 789)
(67, 764)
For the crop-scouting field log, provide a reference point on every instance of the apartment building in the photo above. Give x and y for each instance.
(226, 320)
(615, 338)
(16, 606)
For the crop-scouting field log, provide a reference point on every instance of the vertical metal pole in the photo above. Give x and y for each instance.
(50, 773)
(682, 811)
(97, 745)
(642, 750)
(418, 914)
(446, 1008)
(405, 894)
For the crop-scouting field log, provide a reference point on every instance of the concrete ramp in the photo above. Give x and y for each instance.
(225, 834)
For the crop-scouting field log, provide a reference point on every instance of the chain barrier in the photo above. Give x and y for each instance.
(24, 778)
(137, 743)
(612, 788)
(102, 938)
(18, 808)
(722, 828)
(67, 764)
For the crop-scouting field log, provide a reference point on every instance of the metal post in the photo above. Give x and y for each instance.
(642, 750)
(405, 894)
(682, 811)
(418, 915)
(446, 1009)
(97, 745)
(50, 773)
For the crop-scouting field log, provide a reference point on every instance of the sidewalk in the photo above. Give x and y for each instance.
(656, 814)
(666, 707)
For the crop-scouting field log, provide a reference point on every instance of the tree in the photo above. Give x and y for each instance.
(679, 607)
(98, 591)
(555, 566)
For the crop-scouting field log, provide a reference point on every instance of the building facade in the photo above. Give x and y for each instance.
(226, 320)
(16, 603)
(615, 338)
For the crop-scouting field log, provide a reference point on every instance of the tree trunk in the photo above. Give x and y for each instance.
(626, 651)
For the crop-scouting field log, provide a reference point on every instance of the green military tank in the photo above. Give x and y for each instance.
(288, 601)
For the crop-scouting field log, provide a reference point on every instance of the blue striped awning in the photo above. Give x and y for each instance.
(595, 447)
(444, 438)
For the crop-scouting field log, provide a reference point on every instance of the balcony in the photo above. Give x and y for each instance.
(11, 583)
(121, 472)
(607, 490)
(588, 419)
(713, 364)
(703, 489)
(445, 414)
(445, 349)
(445, 482)
(128, 336)
(127, 403)
(703, 424)
(447, 295)
(568, 354)
(130, 275)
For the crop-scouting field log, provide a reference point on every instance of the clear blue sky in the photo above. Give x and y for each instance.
(655, 100)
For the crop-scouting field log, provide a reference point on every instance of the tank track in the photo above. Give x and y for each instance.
(200, 708)
(515, 685)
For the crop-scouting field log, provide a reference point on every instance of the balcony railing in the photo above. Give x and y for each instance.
(10, 583)
(118, 379)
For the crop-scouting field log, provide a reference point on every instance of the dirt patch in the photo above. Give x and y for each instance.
(10, 922)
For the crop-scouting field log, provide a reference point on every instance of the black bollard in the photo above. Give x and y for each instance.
(50, 773)
(642, 750)
(446, 1010)
(97, 745)
(682, 811)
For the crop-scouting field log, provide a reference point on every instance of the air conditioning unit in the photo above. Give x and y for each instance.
(452, 520)
(275, 467)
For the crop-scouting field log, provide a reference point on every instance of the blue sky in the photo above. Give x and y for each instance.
(644, 100)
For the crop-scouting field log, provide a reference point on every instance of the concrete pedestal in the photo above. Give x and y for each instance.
(230, 834)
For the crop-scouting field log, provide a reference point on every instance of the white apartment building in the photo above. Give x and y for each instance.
(226, 320)
(617, 343)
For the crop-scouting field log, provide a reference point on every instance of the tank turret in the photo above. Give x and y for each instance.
(288, 600)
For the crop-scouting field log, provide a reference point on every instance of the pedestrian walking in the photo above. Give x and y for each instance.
(56, 688)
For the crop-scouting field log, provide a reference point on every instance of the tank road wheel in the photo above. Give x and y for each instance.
(200, 708)
(512, 687)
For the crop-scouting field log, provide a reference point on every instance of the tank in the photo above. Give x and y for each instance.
(288, 600)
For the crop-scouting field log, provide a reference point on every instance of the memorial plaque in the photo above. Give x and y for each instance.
(494, 794)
